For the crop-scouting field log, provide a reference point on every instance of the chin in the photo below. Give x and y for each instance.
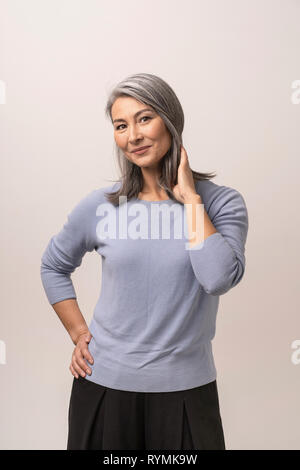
(145, 159)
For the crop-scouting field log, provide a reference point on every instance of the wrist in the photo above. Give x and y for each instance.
(193, 199)
(75, 335)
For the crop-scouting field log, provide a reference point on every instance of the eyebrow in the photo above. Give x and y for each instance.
(136, 114)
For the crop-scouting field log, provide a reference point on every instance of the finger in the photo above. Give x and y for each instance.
(86, 353)
(77, 368)
(184, 156)
(73, 371)
(82, 363)
(77, 364)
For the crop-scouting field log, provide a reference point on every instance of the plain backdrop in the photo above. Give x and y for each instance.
(232, 65)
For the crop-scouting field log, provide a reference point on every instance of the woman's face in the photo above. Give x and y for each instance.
(132, 130)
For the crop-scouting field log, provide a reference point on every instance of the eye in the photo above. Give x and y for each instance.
(147, 117)
(118, 127)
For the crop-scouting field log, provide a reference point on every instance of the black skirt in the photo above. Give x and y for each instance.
(102, 418)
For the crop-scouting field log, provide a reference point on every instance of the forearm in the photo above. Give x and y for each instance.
(71, 317)
(198, 222)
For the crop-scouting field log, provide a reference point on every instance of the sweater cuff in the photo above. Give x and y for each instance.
(214, 263)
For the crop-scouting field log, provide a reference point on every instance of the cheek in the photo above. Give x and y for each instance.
(156, 131)
(160, 133)
(120, 141)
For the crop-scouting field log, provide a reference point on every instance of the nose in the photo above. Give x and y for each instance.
(134, 135)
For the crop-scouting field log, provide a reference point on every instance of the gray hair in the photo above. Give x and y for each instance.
(154, 91)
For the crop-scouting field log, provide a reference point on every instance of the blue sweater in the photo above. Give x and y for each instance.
(155, 318)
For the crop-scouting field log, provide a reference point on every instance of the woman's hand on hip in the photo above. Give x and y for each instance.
(80, 353)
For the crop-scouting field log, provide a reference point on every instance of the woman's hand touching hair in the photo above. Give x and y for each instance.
(185, 191)
(80, 353)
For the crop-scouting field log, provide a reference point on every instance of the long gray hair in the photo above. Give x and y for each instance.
(154, 91)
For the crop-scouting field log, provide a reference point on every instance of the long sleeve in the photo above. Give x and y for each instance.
(219, 261)
(153, 323)
(65, 250)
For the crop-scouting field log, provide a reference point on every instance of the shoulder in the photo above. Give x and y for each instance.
(215, 196)
(97, 196)
(86, 206)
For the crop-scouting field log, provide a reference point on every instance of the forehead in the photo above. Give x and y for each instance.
(126, 105)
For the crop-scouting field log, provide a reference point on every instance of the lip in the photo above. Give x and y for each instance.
(141, 149)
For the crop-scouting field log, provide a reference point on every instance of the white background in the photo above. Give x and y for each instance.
(232, 64)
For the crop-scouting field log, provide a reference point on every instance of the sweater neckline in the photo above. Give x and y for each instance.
(137, 199)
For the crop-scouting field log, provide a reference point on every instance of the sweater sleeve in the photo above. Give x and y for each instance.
(219, 261)
(64, 253)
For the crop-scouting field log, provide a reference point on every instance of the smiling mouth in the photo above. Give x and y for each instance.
(143, 150)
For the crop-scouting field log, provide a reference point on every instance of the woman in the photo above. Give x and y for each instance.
(144, 373)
